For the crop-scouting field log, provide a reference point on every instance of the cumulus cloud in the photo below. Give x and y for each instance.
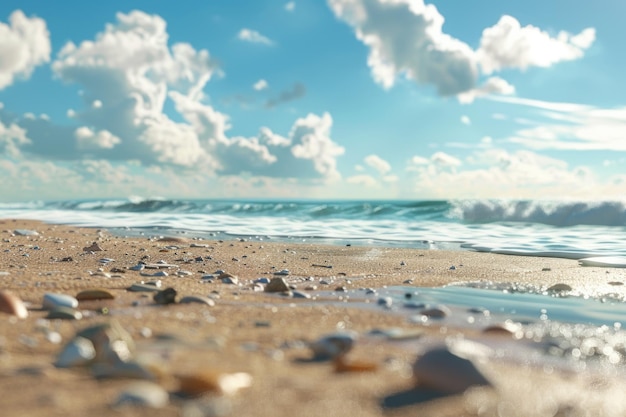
(294, 93)
(405, 38)
(363, 180)
(12, 137)
(260, 85)
(88, 139)
(24, 44)
(252, 36)
(378, 164)
(509, 45)
(466, 120)
(493, 85)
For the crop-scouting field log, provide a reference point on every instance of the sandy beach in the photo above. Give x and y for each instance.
(265, 335)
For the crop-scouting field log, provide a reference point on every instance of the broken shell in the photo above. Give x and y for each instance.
(441, 370)
(213, 381)
(12, 304)
(197, 299)
(93, 248)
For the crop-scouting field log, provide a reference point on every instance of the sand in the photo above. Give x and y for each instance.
(264, 334)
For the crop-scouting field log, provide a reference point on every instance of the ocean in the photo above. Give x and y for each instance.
(531, 228)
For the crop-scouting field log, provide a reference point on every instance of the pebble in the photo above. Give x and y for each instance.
(53, 300)
(138, 267)
(385, 302)
(277, 285)
(156, 274)
(300, 294)
(93, 248)
(64, 313)
(437, 312)
(144, 394)
(333, 345)
(262, 281)
(203, 382)
(122, 369)
(166, 296)
(25, 232)
(111, 341)
(506, 328)
(160, 265)
(12, 304)
(197, 299)
(441, 370)
(143, 288)
(78, 352)
(94, 294)
(183, 273)
(283, 272)
(230, 280)
(560, 287)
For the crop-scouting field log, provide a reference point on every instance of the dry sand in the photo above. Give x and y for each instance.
(262, 334)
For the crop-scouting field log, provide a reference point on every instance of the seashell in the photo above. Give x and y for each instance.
(197, 299)
(93, 248)
(25, 232)
(78, 352)
(344, 365)
(441, 370)
(64, 313)
(277, 285)
(283, 272)
(204, 382)
(12, 304)
(166, 296)
(144, 394)
(94, 294)
(333, 345)
(138, 267)
(53, 300)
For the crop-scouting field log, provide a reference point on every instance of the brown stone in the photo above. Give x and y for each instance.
(12, 304)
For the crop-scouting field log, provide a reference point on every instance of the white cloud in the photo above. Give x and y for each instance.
(96, 104)
(260, 85)
(570, 126)
(252, 36)
(493, 85)
(378, 164)
(290, 6)
(12, 138)
(444, 160)
(363, 180)
(24, 44)
(509, 45)
(405, 37)
(359, 168)
(88, 139)
(466, 120)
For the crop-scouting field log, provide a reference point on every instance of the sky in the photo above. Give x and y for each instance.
(325, 99)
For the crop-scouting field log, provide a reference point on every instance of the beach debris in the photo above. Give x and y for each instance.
(78, 352)
(386, 302)
(64, 313)
(183, 273)
(111, 341)
(322, 266)
(54, 300)
(25, 232)
(262, 280)
(197, 299)
(93, 248)
(143, 394)
(229, 279)
(277, 285)
(139, 267)
(300, 294)
(94, 294)
(156, 274)
(283, 272)
(11, 304)
(210, 381)
(160, 265)
(333, 345)
(166, 296)
(442, 370)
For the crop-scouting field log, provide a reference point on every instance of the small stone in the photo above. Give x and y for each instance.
(93, 248)
(121, 369)
(300, 294)
(341, 289)
(283, 272)
(12, 304)
(138, 267)
(143, 288)
(333, 345)
(78, 352)
(53, 300)
(25, 232)
(64, 313)
(156, 274)
(262, 281)
(277, 285)
(437, 312)
(197, 299)
(230, 280)
(506, 328)
(166, 296)
(385, 302)
(560, 288)
(143, 394)
(441, 370)
(94, 294)
(183, 273)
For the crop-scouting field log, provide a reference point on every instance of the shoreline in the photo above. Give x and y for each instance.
(261, 334)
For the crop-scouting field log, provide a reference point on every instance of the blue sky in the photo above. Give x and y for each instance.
(312, 99)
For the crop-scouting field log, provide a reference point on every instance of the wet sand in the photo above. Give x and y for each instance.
(265, 334)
